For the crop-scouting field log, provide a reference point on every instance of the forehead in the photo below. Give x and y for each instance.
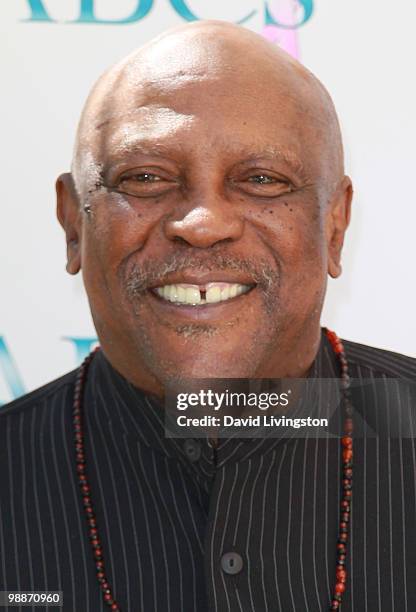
(229, 112)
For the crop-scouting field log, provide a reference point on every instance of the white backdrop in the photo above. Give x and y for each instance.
(362, 51)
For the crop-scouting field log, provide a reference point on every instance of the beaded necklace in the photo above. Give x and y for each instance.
(346, 489)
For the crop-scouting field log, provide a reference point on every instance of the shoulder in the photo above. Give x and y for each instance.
(57, 390)
(379, 361)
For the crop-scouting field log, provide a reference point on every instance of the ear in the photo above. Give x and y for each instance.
(339, 215)
(68, 213)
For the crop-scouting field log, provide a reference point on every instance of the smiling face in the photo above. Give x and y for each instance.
(215, 206)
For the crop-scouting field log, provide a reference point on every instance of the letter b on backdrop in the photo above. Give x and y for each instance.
(38, 12)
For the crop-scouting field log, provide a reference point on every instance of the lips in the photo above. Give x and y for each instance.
(200, 294)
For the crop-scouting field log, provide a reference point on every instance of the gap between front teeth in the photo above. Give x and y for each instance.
(191, 294)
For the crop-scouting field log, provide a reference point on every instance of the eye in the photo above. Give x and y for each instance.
(261, 179)
(145, 177)
(144, 184)
(264, 184)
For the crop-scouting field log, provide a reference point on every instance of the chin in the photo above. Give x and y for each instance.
(196, 366)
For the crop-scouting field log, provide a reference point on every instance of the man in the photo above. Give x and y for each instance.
(206, 205)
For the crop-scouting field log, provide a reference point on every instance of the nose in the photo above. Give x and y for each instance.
(205, 224)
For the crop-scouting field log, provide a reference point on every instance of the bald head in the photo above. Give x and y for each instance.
(168, 80)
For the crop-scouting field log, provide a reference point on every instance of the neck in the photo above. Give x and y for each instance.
(295, 356)
(293, 359)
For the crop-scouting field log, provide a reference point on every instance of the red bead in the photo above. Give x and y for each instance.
(331, 335)
(339, 587)
(335, 604)
(347, 454)
(100, 575)
(346, 441)
(107, 596)
(114, 606)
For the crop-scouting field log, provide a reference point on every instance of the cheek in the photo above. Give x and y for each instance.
(115, 231)
(117, 228)
(293, 230)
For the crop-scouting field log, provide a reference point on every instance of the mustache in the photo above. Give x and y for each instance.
(137, 278)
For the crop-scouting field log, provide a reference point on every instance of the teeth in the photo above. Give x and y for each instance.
(181, 294)
(225, 293)
(213, 295)
(191, 294)
(173, 294)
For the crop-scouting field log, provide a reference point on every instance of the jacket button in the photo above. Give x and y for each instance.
(192, 450)
(232, 563)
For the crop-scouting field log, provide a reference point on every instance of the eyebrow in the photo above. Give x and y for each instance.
(275, 152)
(247, 154)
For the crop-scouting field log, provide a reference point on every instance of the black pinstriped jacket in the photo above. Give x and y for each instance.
(167, 515)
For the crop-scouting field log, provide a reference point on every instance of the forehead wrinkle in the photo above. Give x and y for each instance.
(126, 144)
(113, 115)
